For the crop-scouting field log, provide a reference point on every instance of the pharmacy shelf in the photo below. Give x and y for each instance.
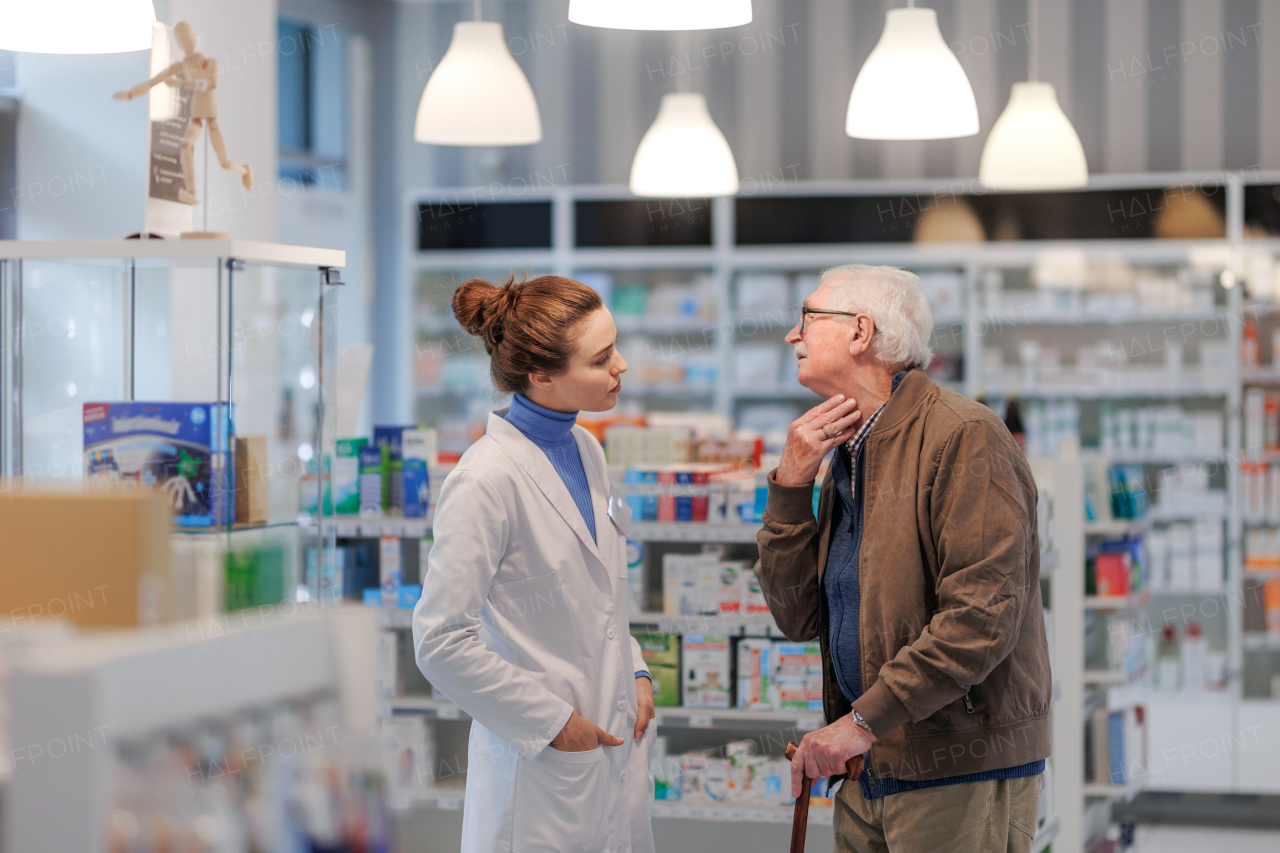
(1109, 792)
(252, 251)
(395, 617)
(354, 527)
(710, 718)
(427, 706)
(650, 325)
(663, 390)
(1023, 315)
(676, 810)
(1151, 457)
(1260, 641)
(686, 531)
(666, 717)
(1118, 527)
(1125, 391)
(724, 624)
(1260, 377)
(1119, 603)
(1050, 561)
(1104, 678)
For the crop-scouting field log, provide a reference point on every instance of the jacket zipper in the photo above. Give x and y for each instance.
(968, 704)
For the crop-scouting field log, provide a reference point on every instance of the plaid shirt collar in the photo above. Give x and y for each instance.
(854, 444)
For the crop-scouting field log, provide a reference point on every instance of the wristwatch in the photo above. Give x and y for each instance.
(858, 720)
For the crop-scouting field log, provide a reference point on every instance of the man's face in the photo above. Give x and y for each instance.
(823, 347)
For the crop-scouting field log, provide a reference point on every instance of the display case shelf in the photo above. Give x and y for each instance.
(677, 531)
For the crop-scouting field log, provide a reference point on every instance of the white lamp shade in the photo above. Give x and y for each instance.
(478, 95)
(660, 14)
(76, 26)
(1032, 145)
(912, 85)
(683, 154)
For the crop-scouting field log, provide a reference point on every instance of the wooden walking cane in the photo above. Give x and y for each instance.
(800, 820)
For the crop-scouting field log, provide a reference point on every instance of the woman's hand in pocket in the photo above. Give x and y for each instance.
(644, 706)
(582, 735)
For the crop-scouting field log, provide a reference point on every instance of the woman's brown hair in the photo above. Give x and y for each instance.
(527, 326)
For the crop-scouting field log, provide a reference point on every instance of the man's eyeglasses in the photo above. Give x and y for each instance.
(805, 311)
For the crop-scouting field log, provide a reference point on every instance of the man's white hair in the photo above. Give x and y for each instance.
(893, 299)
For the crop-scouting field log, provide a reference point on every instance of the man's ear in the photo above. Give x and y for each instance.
(860, 340)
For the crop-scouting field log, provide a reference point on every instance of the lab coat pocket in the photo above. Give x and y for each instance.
(561, 802)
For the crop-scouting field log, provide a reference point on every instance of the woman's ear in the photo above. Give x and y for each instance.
(540, 380)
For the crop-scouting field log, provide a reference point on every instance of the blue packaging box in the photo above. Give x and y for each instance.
(186, 450)
(372, 597)
(370, 481)
(409, 595)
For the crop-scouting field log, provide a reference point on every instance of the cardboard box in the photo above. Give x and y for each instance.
(706, 671)
(180, 449)
(99, 559)
(418, 451)
(346, 475)
(661, 654)
(251, 479)
(797, 676)
(371, 480)
(390, 570)
(755, 661)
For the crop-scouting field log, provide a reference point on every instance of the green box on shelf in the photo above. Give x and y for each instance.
(346, 475)
(630, 299)
(255, 576)
(661, 654)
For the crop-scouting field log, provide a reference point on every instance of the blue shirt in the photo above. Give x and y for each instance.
(840, 583)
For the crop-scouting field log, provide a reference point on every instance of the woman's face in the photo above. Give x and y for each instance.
(594, 376)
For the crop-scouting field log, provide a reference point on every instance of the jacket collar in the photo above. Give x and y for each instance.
(534, 461)
(911, 392)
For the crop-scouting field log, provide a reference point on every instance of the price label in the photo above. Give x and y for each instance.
(450, 804)
(700, 721)
(448, 712)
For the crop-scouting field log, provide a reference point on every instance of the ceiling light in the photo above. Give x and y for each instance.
(912, 85)
(478, 95)
(683, 154)
(660, 14)
(76, 26)
(1032, 146)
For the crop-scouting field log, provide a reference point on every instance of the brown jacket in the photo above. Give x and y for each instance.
(953, 652)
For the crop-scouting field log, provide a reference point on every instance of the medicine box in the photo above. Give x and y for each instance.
(418, 452)
(185, 450)
(370, 482)
(390, 570)
(661, 655)
(346, 475)
(797, 676)
(754, 664)
(706, 669)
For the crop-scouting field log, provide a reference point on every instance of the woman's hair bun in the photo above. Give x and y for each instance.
(475, 304)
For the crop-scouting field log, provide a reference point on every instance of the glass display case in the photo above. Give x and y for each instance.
(203, 368)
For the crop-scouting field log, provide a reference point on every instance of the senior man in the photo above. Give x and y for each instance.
(919, 577)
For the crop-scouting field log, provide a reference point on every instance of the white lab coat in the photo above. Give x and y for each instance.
(523, 619)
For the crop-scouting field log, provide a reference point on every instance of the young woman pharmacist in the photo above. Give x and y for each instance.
(523, 619)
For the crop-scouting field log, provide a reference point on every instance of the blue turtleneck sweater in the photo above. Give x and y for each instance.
(552, 431)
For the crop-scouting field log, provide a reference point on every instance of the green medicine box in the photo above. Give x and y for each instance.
(661, 653)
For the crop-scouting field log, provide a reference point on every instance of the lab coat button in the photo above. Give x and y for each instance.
(609, 633)
(622, 706)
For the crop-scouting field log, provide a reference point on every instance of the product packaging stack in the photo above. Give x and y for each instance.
(705, 585)
(737, 774)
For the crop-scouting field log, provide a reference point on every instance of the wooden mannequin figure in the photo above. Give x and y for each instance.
(198, 74)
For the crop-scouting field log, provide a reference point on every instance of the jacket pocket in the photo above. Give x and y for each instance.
(561, 801)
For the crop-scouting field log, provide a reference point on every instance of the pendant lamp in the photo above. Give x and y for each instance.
(683, 154)
(478, 95)
(660, 14)
(912, 85)
(1032, 145)
(76, 26)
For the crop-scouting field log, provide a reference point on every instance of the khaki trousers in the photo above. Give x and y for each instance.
(996, 816)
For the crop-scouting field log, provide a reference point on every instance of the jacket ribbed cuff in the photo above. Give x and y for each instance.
(882, 710)
(789, 504)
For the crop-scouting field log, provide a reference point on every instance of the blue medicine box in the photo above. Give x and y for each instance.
(186, 450)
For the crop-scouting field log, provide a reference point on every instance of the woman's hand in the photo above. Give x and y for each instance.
(644, 706)
(582, 735)
(812, 436)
